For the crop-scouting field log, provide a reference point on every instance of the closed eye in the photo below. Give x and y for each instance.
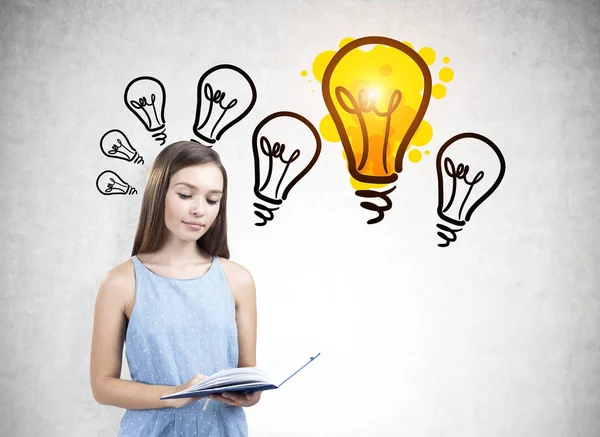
(183, 196)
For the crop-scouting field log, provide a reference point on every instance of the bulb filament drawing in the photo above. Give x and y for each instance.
(363, 105)
(276, 151)
(456, 173)
(215, 98)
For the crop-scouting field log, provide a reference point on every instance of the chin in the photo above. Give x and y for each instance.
(192, 236)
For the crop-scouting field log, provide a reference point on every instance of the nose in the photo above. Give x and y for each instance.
(198, 209)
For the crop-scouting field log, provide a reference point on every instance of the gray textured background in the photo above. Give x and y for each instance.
(495, 336)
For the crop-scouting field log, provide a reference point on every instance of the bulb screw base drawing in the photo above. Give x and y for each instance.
(379, 209)
(448, 234)
(161, 136)
(265, 213)
(137, 159)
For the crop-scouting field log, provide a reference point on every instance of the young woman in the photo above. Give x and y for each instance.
(182, 309)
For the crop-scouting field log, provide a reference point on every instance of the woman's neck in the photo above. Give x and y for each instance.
(180, 254)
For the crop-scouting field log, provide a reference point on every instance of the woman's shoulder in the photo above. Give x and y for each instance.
(119, 282)
(238, 277)
(121, 273)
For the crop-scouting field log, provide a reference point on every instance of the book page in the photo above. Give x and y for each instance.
(227, 377)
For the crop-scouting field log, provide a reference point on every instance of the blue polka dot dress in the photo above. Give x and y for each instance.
(179, 328)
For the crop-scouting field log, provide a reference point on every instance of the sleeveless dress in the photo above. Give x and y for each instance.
(177, 329)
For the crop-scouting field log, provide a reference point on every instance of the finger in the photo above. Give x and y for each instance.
(221, 398)
(235, 396)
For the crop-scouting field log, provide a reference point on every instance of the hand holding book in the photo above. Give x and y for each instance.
(237, 399)
(182, 402)
(241, 379)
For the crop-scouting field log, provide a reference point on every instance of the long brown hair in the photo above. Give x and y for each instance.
(151, 230)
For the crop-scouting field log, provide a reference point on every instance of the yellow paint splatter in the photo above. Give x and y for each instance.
(345, 41)
(304, 73)
(328, 130)
(415, 155)
(426, 152)
(428, 55)
(423, 134)
(446, 74)
(438, 91)
(446, 59)
(320, 63)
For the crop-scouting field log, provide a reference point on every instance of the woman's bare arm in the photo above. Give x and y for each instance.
(243, 290)
(110, 323)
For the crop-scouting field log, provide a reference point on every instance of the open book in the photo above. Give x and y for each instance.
(242, 379)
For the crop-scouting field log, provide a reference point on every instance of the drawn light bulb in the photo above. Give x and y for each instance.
(115, 144)
(225, 95)
(286, 146)
(377, 100)
(469, 168)
(109, 183)
(145, 96)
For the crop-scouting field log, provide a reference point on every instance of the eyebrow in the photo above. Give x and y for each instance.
(193, 187)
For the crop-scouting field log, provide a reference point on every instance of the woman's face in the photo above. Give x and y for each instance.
(193, 200)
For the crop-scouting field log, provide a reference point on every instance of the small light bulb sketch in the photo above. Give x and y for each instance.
(469, 169)
(109, 183)
(225, 95)
(145, 96)
(115, 144)
(286, 146)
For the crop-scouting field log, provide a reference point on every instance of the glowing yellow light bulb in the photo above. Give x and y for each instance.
(377, 99)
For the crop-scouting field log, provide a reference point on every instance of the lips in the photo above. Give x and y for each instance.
(194, 226)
